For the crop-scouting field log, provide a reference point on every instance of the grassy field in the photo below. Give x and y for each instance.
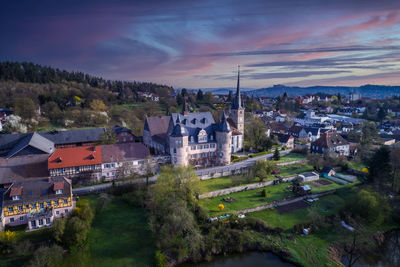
(356, 165)
(291, 157)
(237, 180)
(327, 205)
(294, 169)
(119, 236)
(246, 199)
(225, 182)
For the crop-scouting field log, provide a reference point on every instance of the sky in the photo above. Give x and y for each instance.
(199, 44)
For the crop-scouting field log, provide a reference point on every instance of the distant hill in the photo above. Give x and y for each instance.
(373, 91)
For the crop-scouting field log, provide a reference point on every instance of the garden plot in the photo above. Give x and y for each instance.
(292, 207)
(320, 183)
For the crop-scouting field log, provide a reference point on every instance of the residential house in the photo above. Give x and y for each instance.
(35, 202)
(76, 161)
(120, 160)
(312, 133)
(298, 132)
(155, 134)
(284, 139)
(331, 142)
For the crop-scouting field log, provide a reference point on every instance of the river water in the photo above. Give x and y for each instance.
(250, 259)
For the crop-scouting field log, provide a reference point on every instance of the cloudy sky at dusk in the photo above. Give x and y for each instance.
(198, 44)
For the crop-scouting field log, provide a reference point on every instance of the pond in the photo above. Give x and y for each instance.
(246, 259)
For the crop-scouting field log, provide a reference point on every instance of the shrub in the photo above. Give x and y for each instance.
(47, 256)
(263, 193)
(160, 259)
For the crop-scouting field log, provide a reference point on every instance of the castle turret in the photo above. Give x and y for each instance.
(223, 136)
(178, 145)
(237, 109)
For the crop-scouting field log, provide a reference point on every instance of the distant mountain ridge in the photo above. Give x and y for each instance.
(368, 90)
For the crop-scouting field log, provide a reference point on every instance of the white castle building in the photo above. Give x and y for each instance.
(195, 138)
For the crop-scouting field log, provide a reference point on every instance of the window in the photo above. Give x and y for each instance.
(174, 150)
(10, 209)
(11, 220)
(124, 139)
(41, 205)
(20, 208)
(57, 212)
(27, 206)
(47, 221)
(16, 197)
(34, 206)
(193, 148)
(107, 165)
(48, 203)
(65, 201)
(60, 171)
(40, 222)
(200, 147)
(66, 211)
(56, 203)
(220, 146)
(33, 224)
(113, 165)
(21, 218)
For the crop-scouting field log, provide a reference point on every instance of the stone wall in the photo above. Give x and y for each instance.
(231, 190)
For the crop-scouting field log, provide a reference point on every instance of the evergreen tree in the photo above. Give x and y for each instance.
(230, 96)
(200, 96)
(381, 114)
(380, 169)
(277, 155)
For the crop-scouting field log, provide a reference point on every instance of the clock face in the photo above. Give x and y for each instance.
(240, 119)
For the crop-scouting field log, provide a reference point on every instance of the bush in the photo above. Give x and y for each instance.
(47, 256)
(263, 193)
(370, 206)
(160, 259)
(258, 154)
(240, 159)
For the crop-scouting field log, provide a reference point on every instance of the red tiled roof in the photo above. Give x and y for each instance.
(16, 191)
(58, 185)
(75, 156)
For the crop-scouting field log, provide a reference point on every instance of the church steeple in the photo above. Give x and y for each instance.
(237, 103)
(185, 109)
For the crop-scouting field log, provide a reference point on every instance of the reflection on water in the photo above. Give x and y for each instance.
(252, 259)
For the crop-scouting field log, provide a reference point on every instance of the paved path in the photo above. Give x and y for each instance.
(232, 167)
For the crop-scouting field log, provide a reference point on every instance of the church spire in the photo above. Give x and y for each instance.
(185, 109)
(237, 103)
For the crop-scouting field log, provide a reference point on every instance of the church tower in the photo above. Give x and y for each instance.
(237, 109)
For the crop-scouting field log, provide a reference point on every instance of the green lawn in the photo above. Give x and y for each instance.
(214, 184)
(356, 165)
(294, 169)
(246, 199)
(291, 157)
(119, 236)
(327, 205)
(225, 182)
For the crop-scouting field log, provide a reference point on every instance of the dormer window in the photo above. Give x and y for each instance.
(16, 197)
(59, 191)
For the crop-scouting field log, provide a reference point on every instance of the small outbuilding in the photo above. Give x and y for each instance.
(328, 172)
(308, 177)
